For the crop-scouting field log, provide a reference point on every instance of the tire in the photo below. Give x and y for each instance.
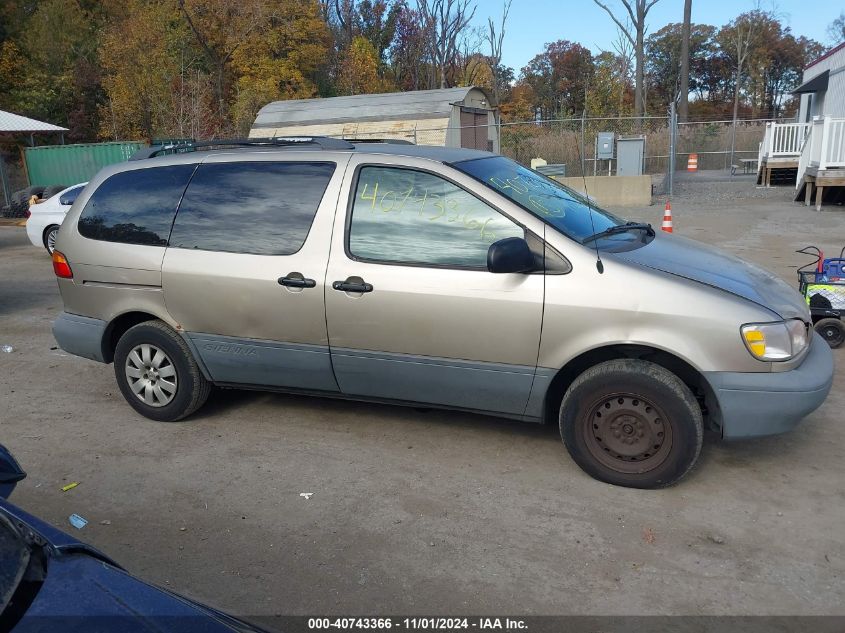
(831, 330)
(631, 423)
(35, 190)
(186, 390)
(50, 234)
(51, 191)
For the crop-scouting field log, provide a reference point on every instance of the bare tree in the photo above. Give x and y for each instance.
(625, 56)
(741, 35)
(496, 37)
(683, 105)
(445, 20)
(635, 33)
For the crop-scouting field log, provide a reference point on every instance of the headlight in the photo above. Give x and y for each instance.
(775, 341)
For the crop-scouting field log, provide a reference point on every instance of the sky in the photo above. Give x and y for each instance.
(533, 23)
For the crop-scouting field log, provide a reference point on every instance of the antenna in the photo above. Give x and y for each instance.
(599, 263)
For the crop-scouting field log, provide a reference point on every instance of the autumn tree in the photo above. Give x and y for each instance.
(559, 77)
(51, 57)
(359, 70)
(377, 19)
(141, 54)
(606, 86)
(663, 57)
(409, 52)
(222, 27)
(280, 60)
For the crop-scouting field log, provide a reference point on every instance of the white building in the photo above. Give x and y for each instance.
(823, 88)
(811, 150)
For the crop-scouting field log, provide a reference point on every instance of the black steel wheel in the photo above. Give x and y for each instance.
(632, 423)
(831, 330)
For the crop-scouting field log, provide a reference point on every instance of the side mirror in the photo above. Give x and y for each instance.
(10, 472)
(510, 255)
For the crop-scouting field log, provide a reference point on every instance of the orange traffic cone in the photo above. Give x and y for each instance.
(667, 218)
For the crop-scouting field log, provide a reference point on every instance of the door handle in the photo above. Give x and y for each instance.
(352, 286)
(296, 280)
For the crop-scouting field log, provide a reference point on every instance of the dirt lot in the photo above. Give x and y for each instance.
(427, 512)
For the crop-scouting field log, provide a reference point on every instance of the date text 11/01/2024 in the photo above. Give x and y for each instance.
(419, 624)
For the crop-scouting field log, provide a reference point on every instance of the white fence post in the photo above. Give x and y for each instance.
(824, 140)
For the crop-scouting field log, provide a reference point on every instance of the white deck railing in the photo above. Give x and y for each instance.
(782, 140)
(824, 147)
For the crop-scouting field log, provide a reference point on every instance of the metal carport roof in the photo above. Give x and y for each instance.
(16, 123)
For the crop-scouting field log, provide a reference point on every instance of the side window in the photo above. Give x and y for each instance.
(408, 216)
(135, 207)
(262, 208)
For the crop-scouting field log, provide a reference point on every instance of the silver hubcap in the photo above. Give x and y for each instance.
(51, 240)
(151, 375)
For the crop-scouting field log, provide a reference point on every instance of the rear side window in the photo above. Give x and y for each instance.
(70, 196)
(135, 207)
(260, 208)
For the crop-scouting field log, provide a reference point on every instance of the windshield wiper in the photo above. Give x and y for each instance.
(620, 228)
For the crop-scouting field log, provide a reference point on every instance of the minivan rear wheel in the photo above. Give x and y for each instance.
(631, 423)
(157, 374)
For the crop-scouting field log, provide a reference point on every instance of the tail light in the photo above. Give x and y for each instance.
(61, 266)
(27, 214)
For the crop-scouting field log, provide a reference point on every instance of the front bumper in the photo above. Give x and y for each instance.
(757, 404)
(79, 335)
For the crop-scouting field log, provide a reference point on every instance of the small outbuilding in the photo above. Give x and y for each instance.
(451, 117)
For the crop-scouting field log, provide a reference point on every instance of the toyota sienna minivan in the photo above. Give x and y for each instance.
(428, 276)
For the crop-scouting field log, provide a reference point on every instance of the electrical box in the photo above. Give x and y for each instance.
(604, 146)
(630, 154)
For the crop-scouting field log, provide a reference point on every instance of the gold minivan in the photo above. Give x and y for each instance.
(429, 276)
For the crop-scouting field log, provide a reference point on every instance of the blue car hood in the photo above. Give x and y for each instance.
(699, 262)
(84, 591)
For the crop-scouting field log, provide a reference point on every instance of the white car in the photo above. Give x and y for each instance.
(45, 218)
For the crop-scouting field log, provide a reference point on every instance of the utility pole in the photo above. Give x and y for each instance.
(673, 126)
(683, 106)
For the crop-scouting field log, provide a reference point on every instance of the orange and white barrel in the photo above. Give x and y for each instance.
(692, 162)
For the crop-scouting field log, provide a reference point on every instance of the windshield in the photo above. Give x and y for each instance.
(556, 204)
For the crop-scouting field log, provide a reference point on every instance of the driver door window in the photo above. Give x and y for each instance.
(404, 216)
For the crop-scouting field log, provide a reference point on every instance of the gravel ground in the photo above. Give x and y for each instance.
(427, 513)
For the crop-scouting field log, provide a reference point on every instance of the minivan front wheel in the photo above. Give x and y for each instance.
(631, 423)
(157, 373)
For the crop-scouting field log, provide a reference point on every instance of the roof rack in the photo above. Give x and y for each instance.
(321, 142)
(388, 141)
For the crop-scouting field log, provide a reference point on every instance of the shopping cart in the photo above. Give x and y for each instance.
(822, 282)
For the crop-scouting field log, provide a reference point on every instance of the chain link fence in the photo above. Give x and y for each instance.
(572, 142)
